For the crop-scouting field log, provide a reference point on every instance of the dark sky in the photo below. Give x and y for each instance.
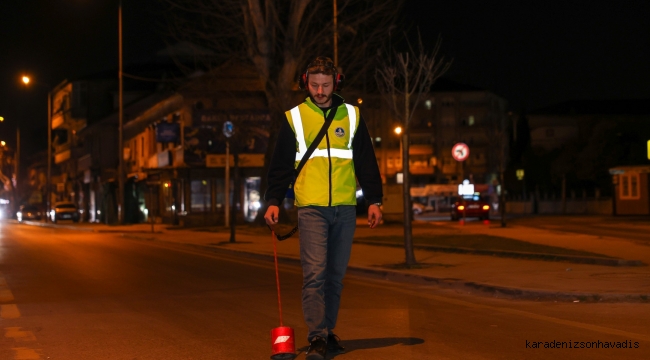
(533, 55)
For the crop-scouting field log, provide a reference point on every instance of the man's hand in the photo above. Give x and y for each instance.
(272, 214)
(374, 216)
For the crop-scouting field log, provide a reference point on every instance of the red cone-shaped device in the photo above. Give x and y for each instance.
(283, 344)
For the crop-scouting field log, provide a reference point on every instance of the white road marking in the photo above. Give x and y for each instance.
(9, 311)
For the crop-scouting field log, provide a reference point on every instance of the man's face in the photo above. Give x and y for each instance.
(321, 87)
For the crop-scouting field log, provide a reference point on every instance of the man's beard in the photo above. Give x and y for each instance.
(321, 100)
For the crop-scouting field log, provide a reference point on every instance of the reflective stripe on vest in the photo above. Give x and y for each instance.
(302, 144)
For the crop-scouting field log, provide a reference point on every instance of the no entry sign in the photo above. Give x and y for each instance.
(460, 152)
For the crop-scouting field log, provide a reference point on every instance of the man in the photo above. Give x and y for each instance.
(325, 194)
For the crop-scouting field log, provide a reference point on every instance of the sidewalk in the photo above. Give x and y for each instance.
(486, 275)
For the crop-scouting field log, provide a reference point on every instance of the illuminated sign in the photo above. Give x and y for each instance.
(520, 174)
(465, 188)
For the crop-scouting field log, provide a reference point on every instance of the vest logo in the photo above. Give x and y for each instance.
(339, 132)
(281, 339)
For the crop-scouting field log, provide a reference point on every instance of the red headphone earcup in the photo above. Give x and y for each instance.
(339, 83)
(302, 83)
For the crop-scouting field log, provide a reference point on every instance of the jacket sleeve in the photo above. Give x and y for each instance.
(365, 164)
(282, 166)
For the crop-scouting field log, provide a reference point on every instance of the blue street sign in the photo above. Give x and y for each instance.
(228, 129)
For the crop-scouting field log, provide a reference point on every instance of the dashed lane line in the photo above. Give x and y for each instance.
(8, 310)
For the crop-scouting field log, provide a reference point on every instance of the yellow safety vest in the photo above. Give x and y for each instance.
(328, 177)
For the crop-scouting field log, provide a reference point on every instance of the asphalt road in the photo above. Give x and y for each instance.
(75, 296)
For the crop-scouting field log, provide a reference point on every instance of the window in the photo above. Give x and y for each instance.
(470, 120)
(200, 195)
(629, 186)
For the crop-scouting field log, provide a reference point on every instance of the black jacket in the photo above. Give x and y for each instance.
(282, 168)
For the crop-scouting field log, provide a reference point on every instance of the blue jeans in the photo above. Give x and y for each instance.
(325, 244)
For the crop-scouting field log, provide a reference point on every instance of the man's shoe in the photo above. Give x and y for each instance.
(317, 349)
(333, 344)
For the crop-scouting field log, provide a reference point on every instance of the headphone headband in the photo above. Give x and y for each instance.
(327, 63)
(324, 62)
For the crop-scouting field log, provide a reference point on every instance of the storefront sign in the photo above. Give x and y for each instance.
(218, 117)
(167, 132)
(245, 160)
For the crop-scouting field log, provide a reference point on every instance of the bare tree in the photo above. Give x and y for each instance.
(279, 37)
(403, 77)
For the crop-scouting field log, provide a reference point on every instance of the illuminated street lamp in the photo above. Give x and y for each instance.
(398, 131)
(26, 80)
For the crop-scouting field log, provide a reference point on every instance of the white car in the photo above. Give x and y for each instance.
(64, 211)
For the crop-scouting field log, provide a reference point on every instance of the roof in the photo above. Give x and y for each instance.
(597, 107)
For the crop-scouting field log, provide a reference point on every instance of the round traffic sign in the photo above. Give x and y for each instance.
(460, 152)
(228, 129)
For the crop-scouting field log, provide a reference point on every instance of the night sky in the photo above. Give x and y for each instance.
(533, 55)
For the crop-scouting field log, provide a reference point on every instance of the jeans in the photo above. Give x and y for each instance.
(325, 244)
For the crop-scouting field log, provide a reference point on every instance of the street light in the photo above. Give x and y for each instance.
(398, 131)
(26, 80)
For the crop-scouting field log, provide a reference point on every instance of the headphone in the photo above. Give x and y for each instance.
(327, 63)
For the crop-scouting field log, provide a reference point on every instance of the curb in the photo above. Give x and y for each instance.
(82, 228)
(519, 255)
(481, 289)
(53, 226)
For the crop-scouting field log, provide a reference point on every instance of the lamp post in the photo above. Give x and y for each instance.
(120, 166)
(26, 80)
(398, 131)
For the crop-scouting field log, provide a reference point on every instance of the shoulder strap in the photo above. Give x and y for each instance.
(303, 161)
(317, 140)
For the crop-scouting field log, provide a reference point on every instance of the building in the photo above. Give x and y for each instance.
(449, 114)
(631, 190)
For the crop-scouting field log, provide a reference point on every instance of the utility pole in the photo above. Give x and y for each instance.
(17, 160)
(120, 152)
(336, 36)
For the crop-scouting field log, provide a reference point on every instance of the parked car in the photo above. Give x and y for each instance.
(64, 211)
(30, 212)
(470, 207)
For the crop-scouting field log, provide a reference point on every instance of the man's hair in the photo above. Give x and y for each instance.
(321, 65)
